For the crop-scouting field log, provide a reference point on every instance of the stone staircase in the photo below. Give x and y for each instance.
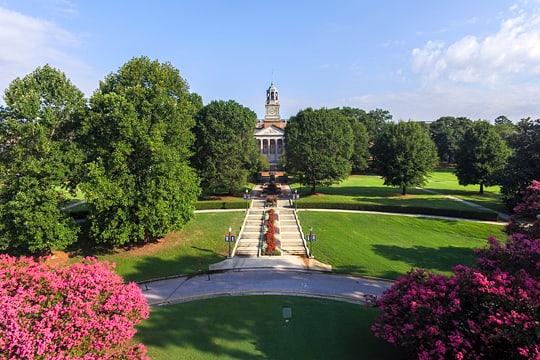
(291, 237)
(251, 234)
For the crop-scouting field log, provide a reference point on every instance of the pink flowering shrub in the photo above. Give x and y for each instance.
(469, 315)
(519, 252)
(492, 312)
(84, 311)
(524, 220)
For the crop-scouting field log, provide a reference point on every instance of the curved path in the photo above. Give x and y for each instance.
(234, 277)
(262, 282)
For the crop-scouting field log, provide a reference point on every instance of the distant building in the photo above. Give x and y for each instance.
(270, 131)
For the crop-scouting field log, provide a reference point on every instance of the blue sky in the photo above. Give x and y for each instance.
(419, 59)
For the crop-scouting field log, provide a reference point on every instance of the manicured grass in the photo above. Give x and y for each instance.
(369, 190)
(444, 181)
(188, 251)
(388, 246)
(364, 244)
(252, 327)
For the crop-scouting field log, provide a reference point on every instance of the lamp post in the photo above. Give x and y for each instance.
(295, 197)
(247, 198)
(230, 238)
(311, 237)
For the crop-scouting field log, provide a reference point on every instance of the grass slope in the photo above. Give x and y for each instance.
(388, 246)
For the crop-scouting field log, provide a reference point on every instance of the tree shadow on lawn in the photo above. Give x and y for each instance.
(155, 267)
(253, 327)
(422, 257)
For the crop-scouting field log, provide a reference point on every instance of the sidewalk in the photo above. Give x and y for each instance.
(262, 282)
(271, 262)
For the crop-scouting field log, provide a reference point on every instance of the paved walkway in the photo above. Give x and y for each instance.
(262, 282)
(501, 215)
(284, 275)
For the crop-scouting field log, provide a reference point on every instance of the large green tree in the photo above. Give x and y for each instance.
(37, 159)
(360, 155)
(524, 164)
(319, 146)
(481, 156)
(225, 151)
(138, 180)
(505, 128)
(447, 132)
(405, 154)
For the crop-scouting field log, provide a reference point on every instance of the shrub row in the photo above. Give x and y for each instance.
(475, 215)
(219, 204)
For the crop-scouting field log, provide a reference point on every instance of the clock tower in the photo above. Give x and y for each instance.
(272, 105)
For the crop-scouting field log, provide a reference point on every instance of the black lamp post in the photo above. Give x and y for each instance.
(230, 238)
(311, 237)
(247, 198)
(295, 197)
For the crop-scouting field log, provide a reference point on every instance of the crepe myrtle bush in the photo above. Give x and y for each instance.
(491, 312)
(82, 311)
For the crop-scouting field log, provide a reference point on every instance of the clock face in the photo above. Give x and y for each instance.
(272, 111)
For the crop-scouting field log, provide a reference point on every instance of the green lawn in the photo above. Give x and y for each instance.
(363, 244)
(388, 246)
(252, 327)
(369, 189)
(188, 251)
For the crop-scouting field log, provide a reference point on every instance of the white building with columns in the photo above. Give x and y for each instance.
(270, 131)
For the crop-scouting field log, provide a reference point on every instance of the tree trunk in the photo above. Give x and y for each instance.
(481, 188)
(403, 189)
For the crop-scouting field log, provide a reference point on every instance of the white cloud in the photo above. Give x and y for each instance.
(513, 49)
(27, 43)
(479, 76)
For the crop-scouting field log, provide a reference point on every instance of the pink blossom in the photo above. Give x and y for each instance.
(84, 311)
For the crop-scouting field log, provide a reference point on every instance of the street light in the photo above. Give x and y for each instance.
(295, 197)
(230, 238)
(311, 237)
(247, 198)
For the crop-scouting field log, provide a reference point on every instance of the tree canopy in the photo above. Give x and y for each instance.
(447, 132)
(225, 151)
(524, 164)
(319, 146)
(481, 157)
(38, 157)
(405, 155)
(137, 136)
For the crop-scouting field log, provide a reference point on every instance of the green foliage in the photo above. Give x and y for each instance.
(505, 128)
(360, 154)
(137, 137)
(524, 164)
(224, 152)
(482, 155)
(405, 155)
(38, 156)
(447, 132)
(319, 147)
